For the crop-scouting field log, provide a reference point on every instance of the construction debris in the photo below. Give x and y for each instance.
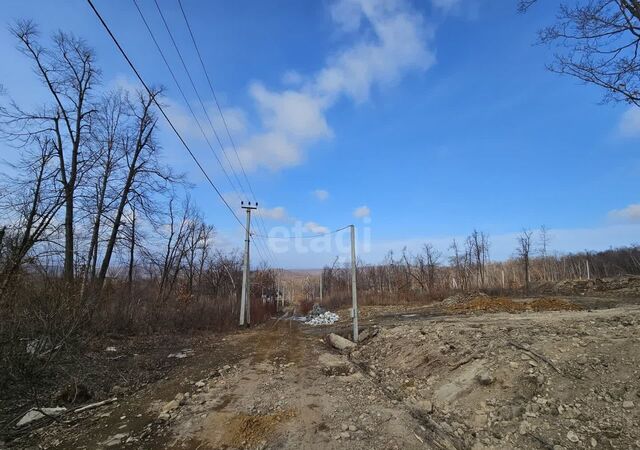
(38, 413)
(326, 318)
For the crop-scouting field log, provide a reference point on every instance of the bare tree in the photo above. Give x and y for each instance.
(68, 71)
(524, 253)
(598, 42)
(108, 137)
(458, 262)
(139, 149)
(478, 249)
(432, 257)
(33, 200)
(543, 242)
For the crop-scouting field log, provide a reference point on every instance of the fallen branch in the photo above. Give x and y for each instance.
(95, 405)
(537, 355)
(464, 361)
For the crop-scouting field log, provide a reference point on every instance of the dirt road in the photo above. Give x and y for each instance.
(551, 380)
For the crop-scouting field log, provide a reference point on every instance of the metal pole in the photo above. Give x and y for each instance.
(321, 276)
(354, 291)
(244, 299)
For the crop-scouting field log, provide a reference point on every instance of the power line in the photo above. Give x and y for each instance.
(184, 97)
(195, 90)
(164, 114)
(215, 97)
(305, 237)
(224, 121)
(260, 221)
(265, 249)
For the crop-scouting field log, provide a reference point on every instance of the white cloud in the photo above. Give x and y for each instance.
(278, 213)
(362, 211)
(398, 44)
(321, 194)
(313, 227)
(383, 40)
(390, 38)
(629, 125)
(126, 84)
(295, 114)
(630, 214)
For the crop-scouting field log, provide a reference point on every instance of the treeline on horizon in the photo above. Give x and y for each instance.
(429, 275)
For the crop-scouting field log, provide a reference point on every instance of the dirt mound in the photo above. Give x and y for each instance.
(464, 298)
(488, 304)
(627, 286)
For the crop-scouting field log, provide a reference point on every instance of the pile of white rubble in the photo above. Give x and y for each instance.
(326, 318)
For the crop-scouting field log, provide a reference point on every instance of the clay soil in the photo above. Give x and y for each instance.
(551, 373)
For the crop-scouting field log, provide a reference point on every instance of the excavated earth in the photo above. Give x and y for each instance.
(561, 375)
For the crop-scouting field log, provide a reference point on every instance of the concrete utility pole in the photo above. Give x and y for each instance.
(354, 291)
(588, 273)
(245, 304)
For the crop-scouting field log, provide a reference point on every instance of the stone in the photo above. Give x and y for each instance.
(523, 428)
(340, 343)
(114, 440)
(170, 406)
(484, 378)
(353, 428)
(334, 364)
(627, 404)
(425, 405)
(572, 437)
(36, 414)
(199, 384)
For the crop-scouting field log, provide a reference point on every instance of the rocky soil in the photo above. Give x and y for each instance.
(430, 378)
(620, 287)
(535, 380)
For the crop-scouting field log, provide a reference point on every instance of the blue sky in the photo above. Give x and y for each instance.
(419, 121)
